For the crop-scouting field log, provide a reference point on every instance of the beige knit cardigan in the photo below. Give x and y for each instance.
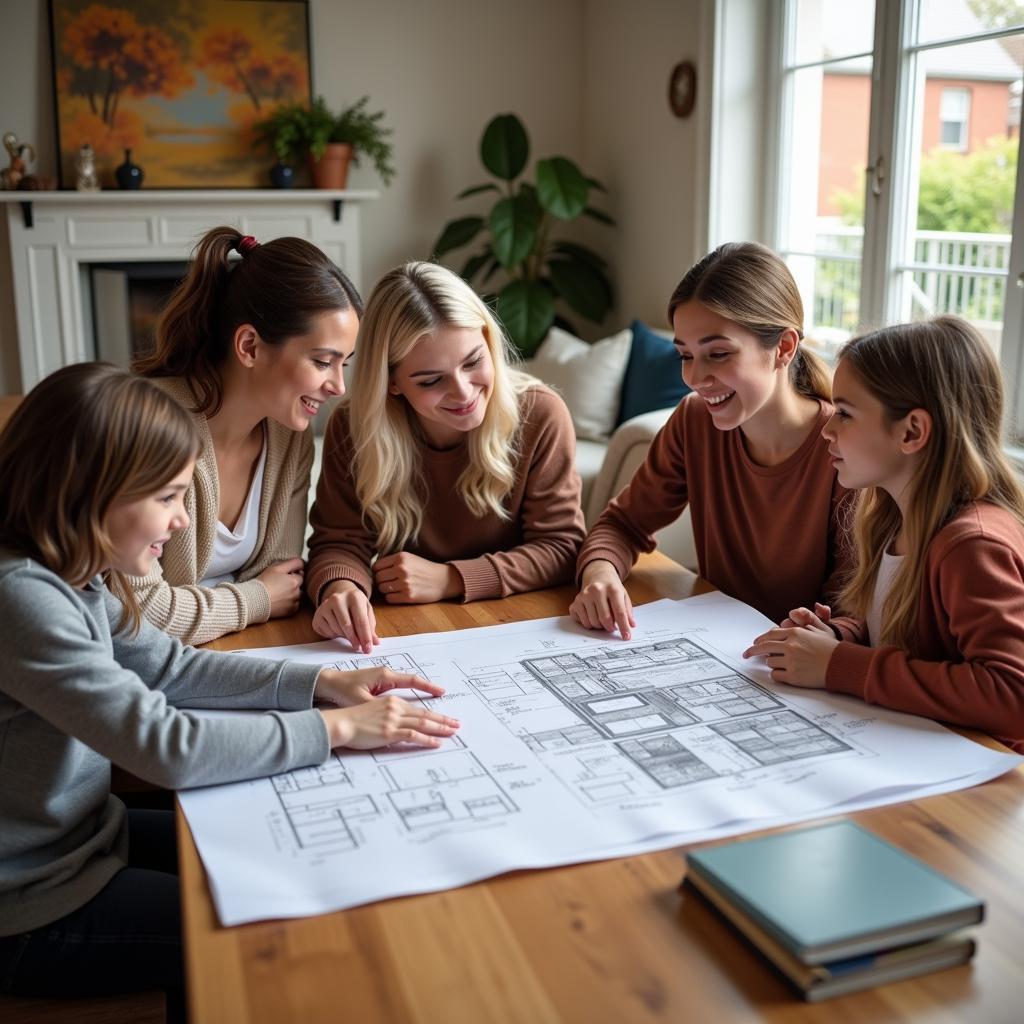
(170, 596)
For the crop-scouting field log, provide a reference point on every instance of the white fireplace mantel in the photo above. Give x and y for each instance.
(55, 239)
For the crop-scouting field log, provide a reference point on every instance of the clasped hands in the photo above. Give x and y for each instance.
(798, 650)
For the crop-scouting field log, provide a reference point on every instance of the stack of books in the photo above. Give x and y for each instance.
(836, 909)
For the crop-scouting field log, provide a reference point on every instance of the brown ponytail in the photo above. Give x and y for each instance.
(279, 287)
(749, 284)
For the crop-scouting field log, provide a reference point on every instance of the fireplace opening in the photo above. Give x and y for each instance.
(126, 299)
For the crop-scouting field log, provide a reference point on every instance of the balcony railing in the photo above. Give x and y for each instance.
(955, 272)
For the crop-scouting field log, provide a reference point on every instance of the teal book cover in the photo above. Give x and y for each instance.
(835, 891)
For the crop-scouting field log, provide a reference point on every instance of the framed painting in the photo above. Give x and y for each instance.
(178, 83)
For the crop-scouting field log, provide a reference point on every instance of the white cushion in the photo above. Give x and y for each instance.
(588, 377)
(589, 459)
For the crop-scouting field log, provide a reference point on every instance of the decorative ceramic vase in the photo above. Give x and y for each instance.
(128, 175)
(331, 170)
(281, 175)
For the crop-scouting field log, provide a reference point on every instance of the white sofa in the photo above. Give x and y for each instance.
(606, 467)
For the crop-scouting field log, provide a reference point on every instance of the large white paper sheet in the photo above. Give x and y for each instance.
(573, 747)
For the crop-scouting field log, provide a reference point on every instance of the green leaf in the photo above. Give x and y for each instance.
(594, 183)
(580, 252)
(583, 287)
(598, 215)
(489, 187)
(505, 148)
(513, 230)
(561, 187)
(457, 233)
(474, 264)
(527, 310)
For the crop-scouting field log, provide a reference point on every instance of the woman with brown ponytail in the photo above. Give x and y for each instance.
(251, 343)
(743, 450)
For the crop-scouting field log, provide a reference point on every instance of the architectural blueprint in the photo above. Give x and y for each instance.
(574, 746)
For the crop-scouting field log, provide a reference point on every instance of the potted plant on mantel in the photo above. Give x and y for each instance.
(328, 141)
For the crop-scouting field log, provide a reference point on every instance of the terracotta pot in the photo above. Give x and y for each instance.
(331, 170)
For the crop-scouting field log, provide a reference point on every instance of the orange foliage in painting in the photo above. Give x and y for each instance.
(108, 140)
(124, 57)
(229, 57)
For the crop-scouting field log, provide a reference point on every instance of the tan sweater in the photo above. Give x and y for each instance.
(170, 596)
(772, 536)
(969, 631)
(536, 547)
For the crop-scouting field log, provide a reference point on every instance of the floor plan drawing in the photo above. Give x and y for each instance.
(573, 746)
(675, 712)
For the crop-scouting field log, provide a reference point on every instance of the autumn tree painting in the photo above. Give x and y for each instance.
(178, 83)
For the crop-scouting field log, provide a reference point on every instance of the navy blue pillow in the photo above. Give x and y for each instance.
(653, 379)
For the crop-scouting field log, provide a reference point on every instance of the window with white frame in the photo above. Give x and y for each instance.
(954, 110)
(885, 208)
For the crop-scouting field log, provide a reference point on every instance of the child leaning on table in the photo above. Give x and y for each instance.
(94, 465)
(936, 600)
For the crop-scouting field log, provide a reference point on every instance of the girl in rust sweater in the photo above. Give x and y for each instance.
(448, 474)
(935, 605)
(744, 451)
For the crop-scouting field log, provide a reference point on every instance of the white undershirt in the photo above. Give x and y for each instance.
(887, 570)
(233, 548)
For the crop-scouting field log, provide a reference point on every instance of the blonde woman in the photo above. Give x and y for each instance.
(451, 469)
(251, 343)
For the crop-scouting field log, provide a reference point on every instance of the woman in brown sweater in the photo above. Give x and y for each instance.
(744, 451)
(251, 347)
(938, 590)
(452, 470)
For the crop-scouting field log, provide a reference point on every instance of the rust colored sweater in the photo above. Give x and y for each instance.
(970, 633)
(767, 535)
(536, 547)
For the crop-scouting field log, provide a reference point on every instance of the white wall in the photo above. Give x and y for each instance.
(587, 77)
(636, 146)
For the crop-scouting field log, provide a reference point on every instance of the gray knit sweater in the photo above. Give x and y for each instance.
(76, 695)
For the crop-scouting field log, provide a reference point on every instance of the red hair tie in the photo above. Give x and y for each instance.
(246, 244)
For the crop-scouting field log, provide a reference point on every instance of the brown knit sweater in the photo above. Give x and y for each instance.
(771, 536)
(536, 547)
(969, 632)
(170, 596)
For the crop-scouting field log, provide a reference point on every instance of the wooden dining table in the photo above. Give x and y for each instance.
(615, 940)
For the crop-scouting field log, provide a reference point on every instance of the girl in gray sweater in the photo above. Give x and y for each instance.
(94, 465)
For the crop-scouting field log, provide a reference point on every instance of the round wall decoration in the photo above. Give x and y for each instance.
(682, 88)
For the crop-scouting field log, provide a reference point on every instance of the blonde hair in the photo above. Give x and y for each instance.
(84, 438)
(945, 367)
(408, 303)
(749, 284)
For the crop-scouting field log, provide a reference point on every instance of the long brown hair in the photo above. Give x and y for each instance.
(945, 367)
(279, 287)
(749, 284)
(84, 438)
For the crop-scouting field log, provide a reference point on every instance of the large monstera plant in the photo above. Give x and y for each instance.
(515, 239)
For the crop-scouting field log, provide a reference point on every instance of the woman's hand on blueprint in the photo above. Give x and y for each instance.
(602, 602)
(386, 720)
(795, 654)
(344, 610)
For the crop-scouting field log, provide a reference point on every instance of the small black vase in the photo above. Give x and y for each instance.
(281, 175)
(128, 175)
